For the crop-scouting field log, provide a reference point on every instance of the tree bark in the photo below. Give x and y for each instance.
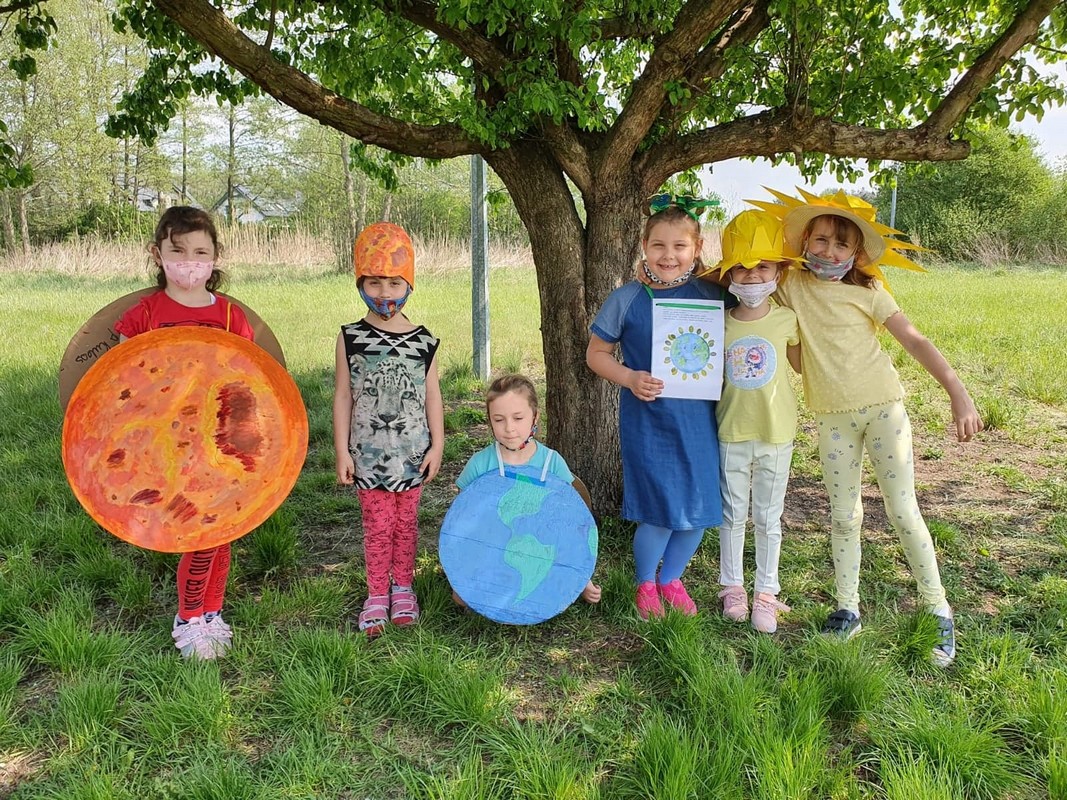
(350, 203)
(10, 239)
(24, 223)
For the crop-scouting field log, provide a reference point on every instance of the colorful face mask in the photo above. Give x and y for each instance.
(533, 432)
(753, 294)
(828, 270)
(385, 308)
(657, 281)
(188, 274)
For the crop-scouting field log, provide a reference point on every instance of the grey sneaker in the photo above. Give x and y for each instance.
(842, 623)
(944, 652)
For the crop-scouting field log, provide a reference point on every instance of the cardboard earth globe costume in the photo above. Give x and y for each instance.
(184, 438)
(518, 544)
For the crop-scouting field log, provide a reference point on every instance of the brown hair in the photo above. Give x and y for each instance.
(844, 227)
(674, 214)
(178, 220)
(519, 384)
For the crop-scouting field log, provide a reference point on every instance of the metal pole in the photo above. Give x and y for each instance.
(479, 270)
(893, 201)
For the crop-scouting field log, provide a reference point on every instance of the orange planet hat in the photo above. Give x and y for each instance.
(184, 438)
(384, 250)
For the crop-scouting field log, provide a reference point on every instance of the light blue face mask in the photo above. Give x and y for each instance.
(828, 270)
(386, 309)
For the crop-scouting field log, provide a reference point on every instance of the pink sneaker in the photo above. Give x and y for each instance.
(765, 608)
(676, 595)
(734, 603)
(648, 602)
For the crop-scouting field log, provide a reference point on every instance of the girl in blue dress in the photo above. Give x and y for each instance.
(670, 451)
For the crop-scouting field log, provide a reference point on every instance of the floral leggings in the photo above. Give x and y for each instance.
(390, 533)
(885, 432)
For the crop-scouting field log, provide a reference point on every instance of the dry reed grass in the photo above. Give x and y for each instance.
(248, 250)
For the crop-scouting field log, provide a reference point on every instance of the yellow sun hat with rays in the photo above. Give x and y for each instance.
(879, 243)
(749, 238)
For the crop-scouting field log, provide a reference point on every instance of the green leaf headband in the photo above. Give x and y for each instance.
(693, 206)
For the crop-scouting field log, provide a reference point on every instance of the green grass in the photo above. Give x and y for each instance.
(95, 703)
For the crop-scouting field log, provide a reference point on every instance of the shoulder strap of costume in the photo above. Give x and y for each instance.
(548, 463)
(229, 314)
(499, 459)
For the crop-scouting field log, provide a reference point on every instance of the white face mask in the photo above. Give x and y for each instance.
(188, 274)
(753, 294)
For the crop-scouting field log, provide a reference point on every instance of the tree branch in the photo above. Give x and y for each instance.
(19, 5)
(710, 65)
(778, 131)
(1021, 32)
(485, 55)
(214, 30)
(695, 23)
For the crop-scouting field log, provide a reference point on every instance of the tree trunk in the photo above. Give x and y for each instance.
(24, 223)
(387, 207)
(10, 239)
(350, 204)
(577, 268)
(231, 164)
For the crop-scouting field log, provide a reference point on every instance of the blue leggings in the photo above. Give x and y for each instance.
(675, 548)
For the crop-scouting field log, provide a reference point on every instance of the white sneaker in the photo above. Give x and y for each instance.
(220, 633)
(194, 640)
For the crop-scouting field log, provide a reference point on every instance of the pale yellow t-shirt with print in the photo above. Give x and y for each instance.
(844, 366)
(757, 402)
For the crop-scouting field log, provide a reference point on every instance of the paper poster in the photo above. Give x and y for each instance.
(687, 348)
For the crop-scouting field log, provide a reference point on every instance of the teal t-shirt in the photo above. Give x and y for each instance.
(485, 461)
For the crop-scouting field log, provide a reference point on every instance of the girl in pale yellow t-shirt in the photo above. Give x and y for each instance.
(856, 396)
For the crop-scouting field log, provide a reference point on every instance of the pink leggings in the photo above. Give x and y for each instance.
(202, 581)
(390, 532)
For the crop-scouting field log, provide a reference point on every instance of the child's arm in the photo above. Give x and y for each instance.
(964, 414)
(435, 419)
(792, 354)
(342, 415)
(600, 357)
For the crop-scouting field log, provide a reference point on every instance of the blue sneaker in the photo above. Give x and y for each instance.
(842, 623)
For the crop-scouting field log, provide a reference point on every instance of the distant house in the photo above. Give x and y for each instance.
(249, 207)
(155, 200)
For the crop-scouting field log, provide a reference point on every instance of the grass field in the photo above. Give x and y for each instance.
(95, 702)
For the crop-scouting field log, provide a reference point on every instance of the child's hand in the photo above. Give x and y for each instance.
(346, 469)
(966, 417)
(644, 386)
(591, 593)
(431, 464)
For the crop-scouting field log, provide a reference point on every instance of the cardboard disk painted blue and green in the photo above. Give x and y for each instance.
(518, 547)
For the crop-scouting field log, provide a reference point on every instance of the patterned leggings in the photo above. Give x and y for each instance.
(202, 581)
(390, 533)
(885, 431)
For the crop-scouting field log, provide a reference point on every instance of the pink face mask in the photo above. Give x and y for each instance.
(188, 274)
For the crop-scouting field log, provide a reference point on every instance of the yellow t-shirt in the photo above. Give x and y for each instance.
(844, 366)
(757, 402)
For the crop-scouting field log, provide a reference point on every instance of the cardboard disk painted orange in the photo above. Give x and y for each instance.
(98, 335)
(184, 438)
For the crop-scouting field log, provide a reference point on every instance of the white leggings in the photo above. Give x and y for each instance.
(763, 470)
(885, 432)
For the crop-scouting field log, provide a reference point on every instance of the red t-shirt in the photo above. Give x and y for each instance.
(160, 311)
